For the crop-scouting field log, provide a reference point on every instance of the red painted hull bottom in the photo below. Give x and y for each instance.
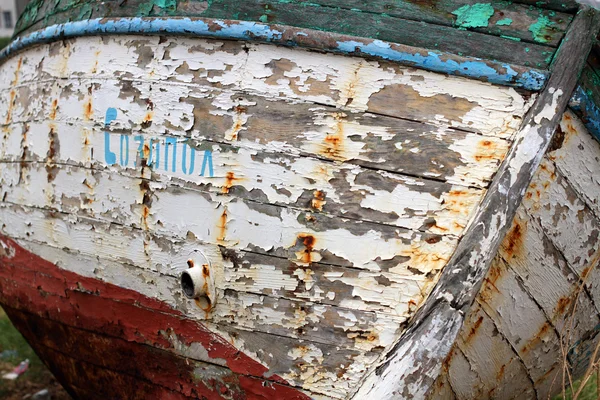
(105, 342)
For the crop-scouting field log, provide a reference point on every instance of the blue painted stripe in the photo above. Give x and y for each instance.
(493, 72)
(585, 107)
(475, 68)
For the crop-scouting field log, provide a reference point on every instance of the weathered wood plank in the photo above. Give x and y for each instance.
(576, 156)
(235, 223)
(443, 389)
(349, 83)
(337, 191)
(515, 19)
(168, 255)
(437, 322)
(488, 352)
(206, 377)
(469, 382)
(558, 5)
(497, 18)
(387, 28)
(566, 220)
(287, 358)
(380, 22)
(341, 287)
(153, 365)
(329, 363)
(536, 343)
(531, 250)
(411, 148)
(546, 275)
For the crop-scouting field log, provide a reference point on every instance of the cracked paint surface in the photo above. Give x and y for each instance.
(326, 214)
(551, 248)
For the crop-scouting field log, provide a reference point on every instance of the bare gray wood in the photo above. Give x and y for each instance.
(412, 360)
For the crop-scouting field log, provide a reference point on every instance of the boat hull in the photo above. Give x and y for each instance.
(102, 341)
(325, 216)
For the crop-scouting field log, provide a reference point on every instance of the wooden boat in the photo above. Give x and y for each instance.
(290, 200)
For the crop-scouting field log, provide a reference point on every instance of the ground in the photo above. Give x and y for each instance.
(13, 350)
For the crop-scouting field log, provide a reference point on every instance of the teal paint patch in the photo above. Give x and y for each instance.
(542, 29)
(264, 18)
(169, 5)
(145, 9)
(473, 16)
(85, 12)
(505, 21)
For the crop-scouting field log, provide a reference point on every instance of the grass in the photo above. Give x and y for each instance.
(589, 392)
(35, 379)
(4, 41)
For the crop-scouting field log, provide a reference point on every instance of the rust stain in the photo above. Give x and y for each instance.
(11, 105)
(412, 306)
(88, 112)
(458, 201)
(334, 142)
(53, 109)
(309, 241)
(351, 88)
(95, 68)
(438, 228)
(53, 149)
(491, 285)
(146, 204)
(204, 302)
(222, 226)
(147, 121)
(540, 337)
(513, 243)
(487, 150)
(500, 373)
(474, 328)
(230, 179)
(494, 274)
(457, 225)
(238, 123)
(446, 362)
(87, 152)
(318, 200)
(23, 164)
(430, 260)
(17, 71)
(145, 213)
(363, 337)
(146, 151)
(205, 305)
(562, 305)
